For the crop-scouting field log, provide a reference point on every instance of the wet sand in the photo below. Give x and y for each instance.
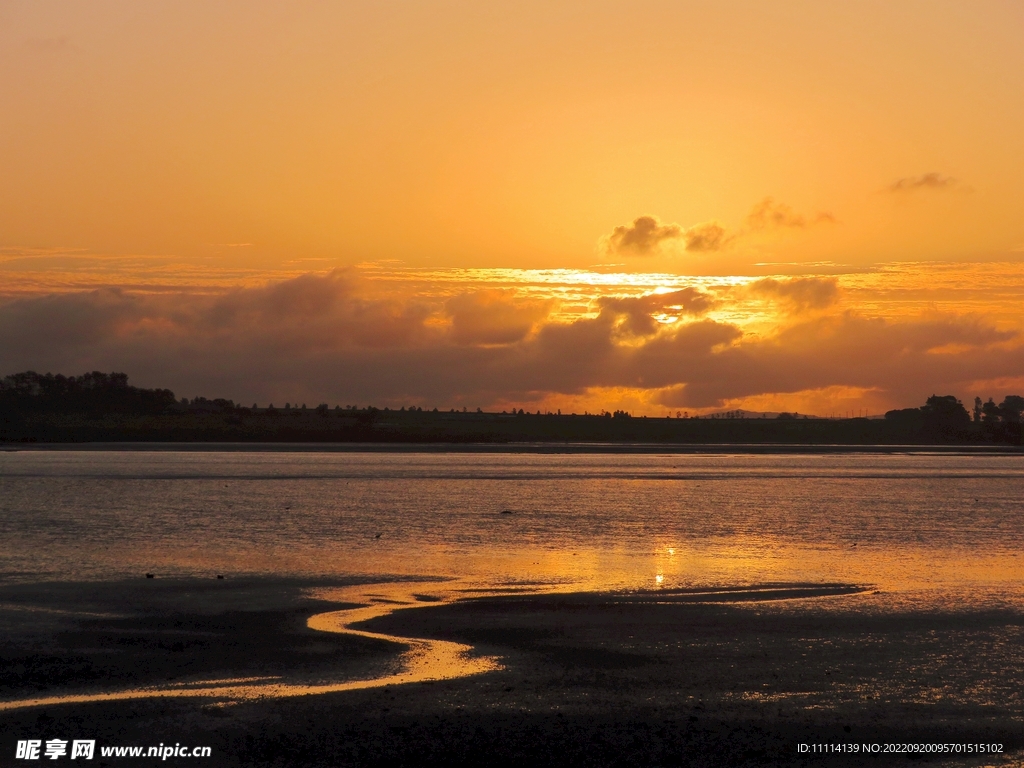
(728, 677)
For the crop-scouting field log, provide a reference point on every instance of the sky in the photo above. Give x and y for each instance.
(658, 206)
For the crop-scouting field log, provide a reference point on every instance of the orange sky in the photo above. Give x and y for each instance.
(465, 203)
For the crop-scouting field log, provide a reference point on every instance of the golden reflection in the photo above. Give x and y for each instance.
(906, 576)
(424, 660)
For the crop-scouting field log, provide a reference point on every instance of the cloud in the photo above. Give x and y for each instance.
(636, 311)
(798, 294)
(924, 181)
(494, 317)
(769, 215)
(897, 358)
(643, 237)
(706, 237)
(335, 338)
(646, 236)
(317, 311)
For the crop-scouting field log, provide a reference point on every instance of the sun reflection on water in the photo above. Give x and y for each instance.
(423, 660)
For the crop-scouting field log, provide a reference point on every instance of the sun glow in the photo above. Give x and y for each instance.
(546, 209)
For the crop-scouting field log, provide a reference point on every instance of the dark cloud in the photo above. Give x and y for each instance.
(494, 317)
(329, 338)
(684, 355)
(637, 310)
(799, 294)
(925, 181)
(208, 341)
(904, 360)
(312, 311)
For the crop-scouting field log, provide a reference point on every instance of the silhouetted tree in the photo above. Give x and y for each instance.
(942, 416)
(1002, 423)
(1011, 408)
(945, 411)
(990, 412)
(94, 393)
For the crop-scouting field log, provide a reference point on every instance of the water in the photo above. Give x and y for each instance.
(926, 529)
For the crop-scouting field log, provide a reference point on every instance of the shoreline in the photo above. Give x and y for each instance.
(682, 670)
(423, 659)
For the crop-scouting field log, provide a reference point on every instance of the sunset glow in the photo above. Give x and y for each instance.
(670, 207)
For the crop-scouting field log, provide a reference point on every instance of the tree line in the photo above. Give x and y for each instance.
(93, 393)
(100, 405)
(946, 414)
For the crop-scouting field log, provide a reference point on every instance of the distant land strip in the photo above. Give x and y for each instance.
(99, 407)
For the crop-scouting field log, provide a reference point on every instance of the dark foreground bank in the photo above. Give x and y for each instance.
(589, 680)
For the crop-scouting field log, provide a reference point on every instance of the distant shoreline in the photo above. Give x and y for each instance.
(514, 448)
(104, 408)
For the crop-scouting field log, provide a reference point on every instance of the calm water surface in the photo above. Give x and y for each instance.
(926, 529)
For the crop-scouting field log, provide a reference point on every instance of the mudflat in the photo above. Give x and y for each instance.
(730, 676)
